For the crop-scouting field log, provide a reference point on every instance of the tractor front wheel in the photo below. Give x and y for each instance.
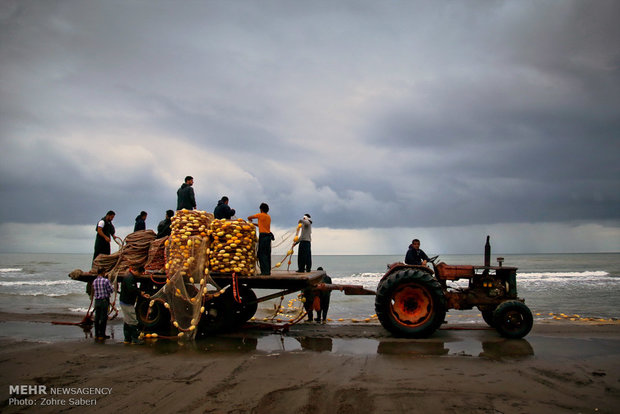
(410, 302)
(487, 314)
(513, 319)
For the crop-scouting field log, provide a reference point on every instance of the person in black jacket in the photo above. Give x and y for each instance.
(129, 295)
(324, 296)
(222, 210)
(415, 255)
(163, 228)
(185, 195)
(140, 222)
(105, 231)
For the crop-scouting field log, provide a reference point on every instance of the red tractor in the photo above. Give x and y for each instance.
(412, 300)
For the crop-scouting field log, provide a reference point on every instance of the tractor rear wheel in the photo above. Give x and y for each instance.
(513, 319)
(410, 302)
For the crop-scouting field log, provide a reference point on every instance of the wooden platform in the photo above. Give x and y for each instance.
(279, 279)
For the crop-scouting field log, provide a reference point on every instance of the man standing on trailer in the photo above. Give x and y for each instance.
(304, 254)
(140, 221)
(105, 231)
(223, 211)
(264, 238)
(163, 228)
(185, 195)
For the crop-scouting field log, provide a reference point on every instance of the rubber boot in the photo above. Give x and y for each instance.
(127, 332)
(135, 336)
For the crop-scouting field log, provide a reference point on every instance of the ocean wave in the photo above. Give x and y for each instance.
(360, 276)
(46, 294)
(10, 269)
(596, 273)
(370, 280)
(37, 283)
(591, 277)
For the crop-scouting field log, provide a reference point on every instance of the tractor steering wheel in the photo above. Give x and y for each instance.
(432, 259)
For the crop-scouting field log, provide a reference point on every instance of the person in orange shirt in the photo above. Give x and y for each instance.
(264, 238)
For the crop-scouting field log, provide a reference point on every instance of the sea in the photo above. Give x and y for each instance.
(585, 285)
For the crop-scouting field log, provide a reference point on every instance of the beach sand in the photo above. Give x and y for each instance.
(560, 367)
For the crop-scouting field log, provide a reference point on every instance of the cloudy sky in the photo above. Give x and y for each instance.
(385, 120)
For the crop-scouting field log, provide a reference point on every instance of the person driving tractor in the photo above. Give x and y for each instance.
(415, 255)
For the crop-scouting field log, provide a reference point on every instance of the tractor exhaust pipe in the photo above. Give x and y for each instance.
(487, 253)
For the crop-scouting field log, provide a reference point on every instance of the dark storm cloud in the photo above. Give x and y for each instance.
(365, 114)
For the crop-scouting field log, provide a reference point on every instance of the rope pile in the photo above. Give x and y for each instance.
(133, 251)
(156, 260)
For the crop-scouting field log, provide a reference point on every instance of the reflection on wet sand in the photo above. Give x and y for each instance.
(472, 344)
(411, 348)
(507, 348)
(212, 344)
(315, 344)
(492, 349)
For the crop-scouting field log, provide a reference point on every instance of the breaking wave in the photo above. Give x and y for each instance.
(37, 283)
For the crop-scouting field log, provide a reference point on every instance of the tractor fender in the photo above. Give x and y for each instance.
(400, 265)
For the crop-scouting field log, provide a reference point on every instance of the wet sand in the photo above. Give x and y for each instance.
(560, 367)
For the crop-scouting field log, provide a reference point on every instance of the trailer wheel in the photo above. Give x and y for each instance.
(217, 316)
(410, 302)
(513, 319)
(242, 312)
(154, 318)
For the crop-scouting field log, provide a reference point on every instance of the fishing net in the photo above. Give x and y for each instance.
(280, 247)
(185, 290)
(197, 246)
(234, 247)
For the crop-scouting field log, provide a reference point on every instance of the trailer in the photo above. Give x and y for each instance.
(224, 312)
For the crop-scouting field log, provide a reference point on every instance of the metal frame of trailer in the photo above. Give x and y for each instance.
(286, 281)
(223, 312)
